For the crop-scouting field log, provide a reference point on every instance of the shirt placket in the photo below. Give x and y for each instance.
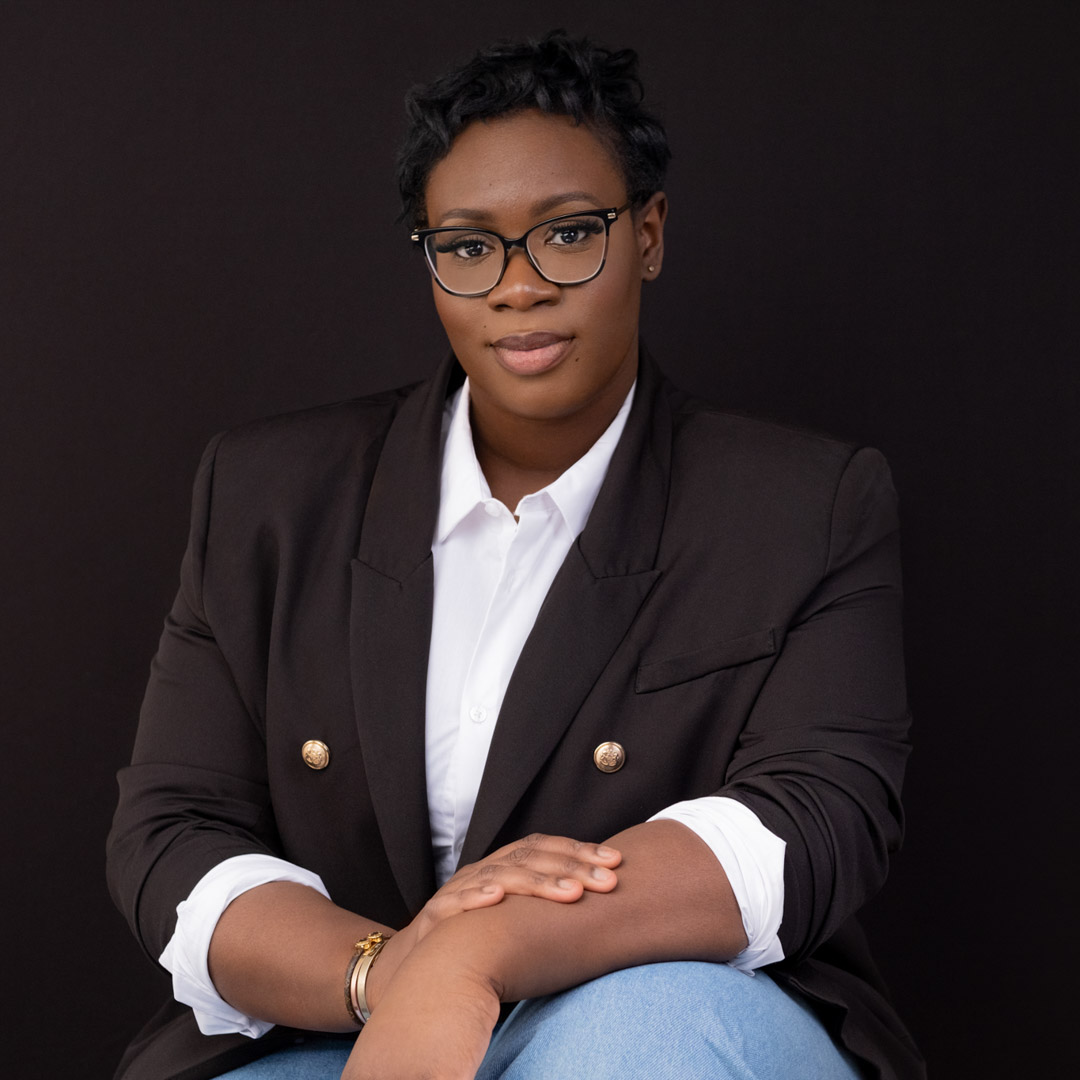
(481, 695)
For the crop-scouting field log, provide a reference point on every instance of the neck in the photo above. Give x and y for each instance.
(520, 455)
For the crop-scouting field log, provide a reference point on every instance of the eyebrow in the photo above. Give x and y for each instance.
(538, 209)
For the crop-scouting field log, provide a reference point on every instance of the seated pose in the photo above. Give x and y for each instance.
(537, 682)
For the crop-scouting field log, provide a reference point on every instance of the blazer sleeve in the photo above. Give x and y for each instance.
(196, 791)
(822, 755)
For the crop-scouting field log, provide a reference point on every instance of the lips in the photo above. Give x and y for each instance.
(532, 353)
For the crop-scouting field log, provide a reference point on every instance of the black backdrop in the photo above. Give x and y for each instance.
(871, 233)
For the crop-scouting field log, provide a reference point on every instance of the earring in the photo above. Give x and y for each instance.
(651, 269)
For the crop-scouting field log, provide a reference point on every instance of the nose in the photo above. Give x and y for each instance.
(521, 286)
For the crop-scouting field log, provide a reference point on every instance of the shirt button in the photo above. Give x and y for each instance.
(478, 714)
(493, 508)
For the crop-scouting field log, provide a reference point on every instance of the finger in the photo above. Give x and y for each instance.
(480, 896)
(518, 874)
(528, 847)
(563, 891)
(464, 897)
(540, 846)
(449, 901)
(557, 880)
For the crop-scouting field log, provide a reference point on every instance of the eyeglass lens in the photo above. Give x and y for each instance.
(567, 250)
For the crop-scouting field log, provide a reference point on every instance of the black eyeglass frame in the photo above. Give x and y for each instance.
(608, 216)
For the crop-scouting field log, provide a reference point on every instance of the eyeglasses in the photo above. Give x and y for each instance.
(566, 250)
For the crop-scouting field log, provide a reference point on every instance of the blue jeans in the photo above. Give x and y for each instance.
(682, 1021)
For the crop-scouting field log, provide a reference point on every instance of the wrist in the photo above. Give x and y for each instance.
(394, 952)
(464, 950)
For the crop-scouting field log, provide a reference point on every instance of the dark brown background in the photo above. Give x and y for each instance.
(872, 232)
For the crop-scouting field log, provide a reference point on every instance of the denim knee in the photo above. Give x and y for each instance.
(679, 1020)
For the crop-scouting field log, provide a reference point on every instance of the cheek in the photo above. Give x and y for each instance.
(614, 308)
(450, 313)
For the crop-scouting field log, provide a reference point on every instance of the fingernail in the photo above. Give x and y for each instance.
(487, 889)
(601, 873)
(605, 852)
(564, 883)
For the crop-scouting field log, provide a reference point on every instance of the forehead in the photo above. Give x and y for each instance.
(508, 168)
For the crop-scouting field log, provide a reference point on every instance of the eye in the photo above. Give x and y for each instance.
(464, 246)
(574, 232)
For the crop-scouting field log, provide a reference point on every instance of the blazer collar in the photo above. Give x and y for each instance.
(402, 506)
(403, 503)
(624, 529)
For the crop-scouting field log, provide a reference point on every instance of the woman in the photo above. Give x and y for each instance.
(536, 681)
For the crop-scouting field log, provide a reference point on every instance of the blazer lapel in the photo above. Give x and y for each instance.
(594, 598)
(390, 629)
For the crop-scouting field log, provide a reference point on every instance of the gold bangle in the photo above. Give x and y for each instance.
(364, 953)
(353, 1015)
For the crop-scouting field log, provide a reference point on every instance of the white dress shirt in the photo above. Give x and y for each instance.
(491, 574)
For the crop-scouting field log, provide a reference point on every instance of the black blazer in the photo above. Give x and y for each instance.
(730, 615)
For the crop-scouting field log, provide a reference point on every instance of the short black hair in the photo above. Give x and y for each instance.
(557, 74)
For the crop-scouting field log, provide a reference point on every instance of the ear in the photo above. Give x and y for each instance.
(649, 226)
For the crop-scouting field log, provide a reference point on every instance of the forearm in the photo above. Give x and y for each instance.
(280, 952)
(672, 902)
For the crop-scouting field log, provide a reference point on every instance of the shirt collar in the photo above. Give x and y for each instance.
(463, 485)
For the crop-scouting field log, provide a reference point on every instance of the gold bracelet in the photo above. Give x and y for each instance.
(364, 953)
(354, 1016)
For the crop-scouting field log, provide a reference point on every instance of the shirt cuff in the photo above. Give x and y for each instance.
(753, 859)
(185, 957)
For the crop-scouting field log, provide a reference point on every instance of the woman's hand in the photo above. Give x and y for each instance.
(550, 867)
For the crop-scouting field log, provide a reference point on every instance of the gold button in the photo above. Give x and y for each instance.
(609, 757)
(316, 754)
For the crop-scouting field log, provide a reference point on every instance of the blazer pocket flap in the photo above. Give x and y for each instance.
(715, 657)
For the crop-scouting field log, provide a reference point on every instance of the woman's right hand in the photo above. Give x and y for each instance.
(551, 867)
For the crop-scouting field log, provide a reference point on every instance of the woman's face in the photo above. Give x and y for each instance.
(532, 349)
